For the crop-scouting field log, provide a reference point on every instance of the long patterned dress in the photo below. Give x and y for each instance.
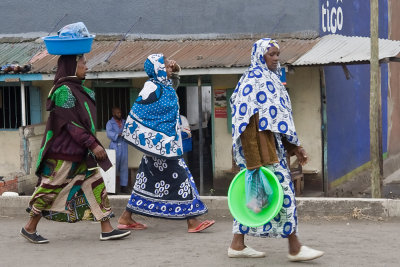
(260, 92)
(164, 186)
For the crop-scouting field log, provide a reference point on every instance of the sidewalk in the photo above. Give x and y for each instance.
(346, 242)
(352, 232)
(391, 185)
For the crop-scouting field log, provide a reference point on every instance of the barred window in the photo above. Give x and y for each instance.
(10, 107)
(109, 97)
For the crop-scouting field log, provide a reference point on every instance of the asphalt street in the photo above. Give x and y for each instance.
(346, 242)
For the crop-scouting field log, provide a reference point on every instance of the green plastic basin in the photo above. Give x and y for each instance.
(237, 200)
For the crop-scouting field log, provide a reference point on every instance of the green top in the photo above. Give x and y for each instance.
(64, 98)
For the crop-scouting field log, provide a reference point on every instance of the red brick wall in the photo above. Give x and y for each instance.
(9, 186)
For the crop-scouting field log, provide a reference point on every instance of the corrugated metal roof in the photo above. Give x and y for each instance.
(336, 49)
(17, 53)
(190, 54)
(203, 54)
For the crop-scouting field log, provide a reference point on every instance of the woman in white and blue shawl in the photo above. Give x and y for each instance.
(263, 132)
(164, 187)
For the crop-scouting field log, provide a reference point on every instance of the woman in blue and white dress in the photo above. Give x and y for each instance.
(164, 186)
(263, 133)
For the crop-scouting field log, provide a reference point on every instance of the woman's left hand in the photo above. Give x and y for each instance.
(301, 155)
(186, 130)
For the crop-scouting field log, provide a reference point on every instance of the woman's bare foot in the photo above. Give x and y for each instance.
(126, 218)
(106, 226)
(31, 225)
(193, 223)
(294, 244)
(238, 242)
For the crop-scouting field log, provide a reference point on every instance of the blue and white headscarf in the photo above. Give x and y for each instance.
(153, 122)
(154, 66)
(260, 90)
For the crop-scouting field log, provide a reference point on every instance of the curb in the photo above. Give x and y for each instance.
(218, 206)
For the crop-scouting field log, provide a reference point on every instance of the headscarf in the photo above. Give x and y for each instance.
(260, 90)
(66, 70)
(66, 66)
(153, 122)
(155, 69)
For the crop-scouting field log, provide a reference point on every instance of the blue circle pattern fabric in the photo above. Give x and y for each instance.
(260, 90)
(166, 189)
(153, 122)
(269, 98)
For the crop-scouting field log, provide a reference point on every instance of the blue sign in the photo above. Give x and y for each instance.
(351, 18)
(347, 101)
(283, 76)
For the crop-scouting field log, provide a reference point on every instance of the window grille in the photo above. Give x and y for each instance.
(106, 99)
(10, 107)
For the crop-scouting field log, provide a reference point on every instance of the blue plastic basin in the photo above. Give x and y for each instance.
(68, 46)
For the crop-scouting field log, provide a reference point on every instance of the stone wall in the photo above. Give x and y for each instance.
(31, 140)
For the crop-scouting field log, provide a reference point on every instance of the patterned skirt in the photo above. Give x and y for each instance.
(165, 188)
(285, 223)
(69, 192)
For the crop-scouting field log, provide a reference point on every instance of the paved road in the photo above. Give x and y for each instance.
(347, 242)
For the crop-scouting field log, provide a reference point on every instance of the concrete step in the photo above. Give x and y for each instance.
(218, 206)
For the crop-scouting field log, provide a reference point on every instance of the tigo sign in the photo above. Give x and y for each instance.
(331, 16)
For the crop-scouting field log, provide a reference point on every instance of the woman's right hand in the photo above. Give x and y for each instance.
(301, 155)
(100, 153)
(173, 65)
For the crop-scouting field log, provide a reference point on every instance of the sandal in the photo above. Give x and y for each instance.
(202, 226)
(133, 226)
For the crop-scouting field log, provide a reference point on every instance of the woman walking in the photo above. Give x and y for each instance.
(70, 187)
(164, 186)
(263, 134)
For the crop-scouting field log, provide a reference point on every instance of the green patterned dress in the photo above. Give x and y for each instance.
(69, 191)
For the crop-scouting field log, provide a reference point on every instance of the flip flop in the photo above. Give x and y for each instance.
(202, 226)
(133, 226)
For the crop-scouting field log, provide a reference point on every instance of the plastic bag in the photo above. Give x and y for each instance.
(185, 134)
(258, 190)
(74, 30)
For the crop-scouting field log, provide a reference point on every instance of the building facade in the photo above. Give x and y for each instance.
(331, 120)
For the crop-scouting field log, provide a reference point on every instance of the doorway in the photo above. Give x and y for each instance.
(189, 107)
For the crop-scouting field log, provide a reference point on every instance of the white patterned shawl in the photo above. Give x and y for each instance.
(260, 90)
